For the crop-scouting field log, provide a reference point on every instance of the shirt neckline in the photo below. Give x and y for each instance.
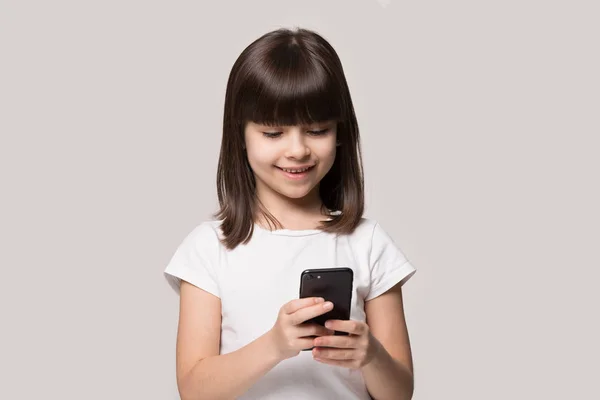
(293, 232)
(289, 232)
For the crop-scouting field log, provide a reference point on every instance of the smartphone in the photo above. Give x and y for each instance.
(332, 284)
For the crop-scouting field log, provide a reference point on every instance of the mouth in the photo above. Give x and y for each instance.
(296, 173)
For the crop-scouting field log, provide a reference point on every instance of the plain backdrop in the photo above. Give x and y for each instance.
(480, 124)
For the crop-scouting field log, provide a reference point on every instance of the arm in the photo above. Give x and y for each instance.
(201, 372)
(390, 374)
(204, 374)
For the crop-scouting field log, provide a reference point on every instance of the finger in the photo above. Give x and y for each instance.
(340, 342)
(313, 330)
(304, 343)
(349, 326)
(306, 313)
(334, 354)
(297, 304)
(339, 363)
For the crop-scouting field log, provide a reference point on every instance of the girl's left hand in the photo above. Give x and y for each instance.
(353, 351)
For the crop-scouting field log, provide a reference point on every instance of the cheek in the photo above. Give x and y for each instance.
(327, 154)
(324, 148)
(260, 160)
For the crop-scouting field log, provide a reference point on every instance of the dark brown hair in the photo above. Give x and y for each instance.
(287, 77)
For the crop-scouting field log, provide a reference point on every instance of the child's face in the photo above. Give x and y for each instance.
(271, 148)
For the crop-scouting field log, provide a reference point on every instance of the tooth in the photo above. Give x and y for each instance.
(296, 170)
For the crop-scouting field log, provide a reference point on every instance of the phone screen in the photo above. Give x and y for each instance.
(333, 284)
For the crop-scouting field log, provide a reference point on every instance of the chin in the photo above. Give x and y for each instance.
(296, 194)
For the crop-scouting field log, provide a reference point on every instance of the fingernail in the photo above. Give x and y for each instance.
(328, 324)
(319, 300)
(328, 305)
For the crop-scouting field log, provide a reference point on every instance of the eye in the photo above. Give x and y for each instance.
(320, 132)
(272, 135)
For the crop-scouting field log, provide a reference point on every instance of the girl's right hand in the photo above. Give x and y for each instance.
(290, 334)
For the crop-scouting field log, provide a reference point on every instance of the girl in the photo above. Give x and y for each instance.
(290, 189)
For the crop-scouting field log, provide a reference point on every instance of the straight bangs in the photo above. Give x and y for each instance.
(289, 89)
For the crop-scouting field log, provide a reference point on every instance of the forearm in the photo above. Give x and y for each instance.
(230, 375)
(387, 378)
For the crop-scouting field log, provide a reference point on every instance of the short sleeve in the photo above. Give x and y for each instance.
(195, 260)
(388, 265)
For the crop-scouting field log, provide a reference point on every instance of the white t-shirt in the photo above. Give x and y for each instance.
(254, 280)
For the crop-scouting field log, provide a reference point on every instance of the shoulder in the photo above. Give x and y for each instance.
(365, 229)
(361, 238)
(212, 227)
(371, 236)
(204, 233)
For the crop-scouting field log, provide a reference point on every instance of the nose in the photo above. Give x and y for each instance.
(297, 148)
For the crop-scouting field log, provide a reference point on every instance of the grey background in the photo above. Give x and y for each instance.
(479, 122)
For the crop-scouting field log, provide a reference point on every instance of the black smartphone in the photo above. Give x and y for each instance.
(332, 284)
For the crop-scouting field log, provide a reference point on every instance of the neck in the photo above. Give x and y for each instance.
(300, 213)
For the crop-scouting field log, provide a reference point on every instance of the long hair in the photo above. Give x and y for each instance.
(287, 77)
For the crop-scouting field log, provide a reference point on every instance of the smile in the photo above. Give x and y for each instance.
(296, 173)
(296, 170)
